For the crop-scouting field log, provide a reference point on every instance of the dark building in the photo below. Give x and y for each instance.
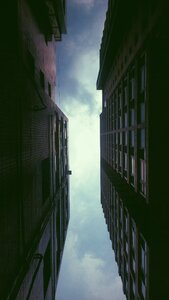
(133, 77)
(34, 186)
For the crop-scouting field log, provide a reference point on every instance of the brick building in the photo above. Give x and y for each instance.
(133, 77)
(34, 186)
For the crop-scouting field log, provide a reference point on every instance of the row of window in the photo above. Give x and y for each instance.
(118, 150)
(126, 106)
(41, 76)
(128, 243)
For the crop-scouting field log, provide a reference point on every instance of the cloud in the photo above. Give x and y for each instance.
(78, 62)
(86, 3)
(86, 277)
(89, 270)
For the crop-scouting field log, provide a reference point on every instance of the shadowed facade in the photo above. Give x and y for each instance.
(133, 78)
(34, 169)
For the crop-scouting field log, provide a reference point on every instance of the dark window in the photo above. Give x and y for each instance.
(42, 79)
(142, 75)
(132, 138)
(31, 63)
(46, 268)
(45, 178)
(142, 113)
(132, 85)
(125, 161)
(142, 176)
(131, 117)
(142, 139)
(125, 93)
(125, 119)
(49, 89)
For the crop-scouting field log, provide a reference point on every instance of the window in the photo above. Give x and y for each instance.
(132, 138)
(125, 119)
(143, 289)
(120, 138)
(142, 75)
(132, 166)
(133, 287)
(120, 121)
(116, 138)
(120, 99)
(132, 85)
(142, 78)
(120, 159)
(143, 257)
(126, 246)
(133, 237)
(143, 176)
(125, 94)
(133, 264)
(42, 79)
(125, 161)
(116, 156)
(47, 268)
(142, 139)
(131, 117)
(125, 138)
(126, 223)
(31, 63)
(49, 89)
(142, 112)
(45, 179)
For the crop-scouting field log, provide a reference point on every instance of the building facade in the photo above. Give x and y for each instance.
(34, 167)
(133, 78)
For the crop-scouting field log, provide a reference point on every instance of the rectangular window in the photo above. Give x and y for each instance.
(125, 95)
(143, 289)
(133, 237)
(132, 85)
(133, 264)
(132, 117)
(142, 74)
(132, 166)
(142, 78)
(47, 268)
(120, 159)
(117, 138)
(120, 99)
(49, 89)
(133, 287)
(125, 138)
(125, 119)
(121, 138)
(133, 89)
(31, 63)
(42, 79)
(45, 179)
(143, 176)
(142, 139)
(126, 223)
(126, 246)
(120, 121)
(142, 112)
(125, 161)
(132, 138)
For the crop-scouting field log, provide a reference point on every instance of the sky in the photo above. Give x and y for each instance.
(88, 269)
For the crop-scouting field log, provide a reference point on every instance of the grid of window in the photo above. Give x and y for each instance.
(128, 243)
(123, 139)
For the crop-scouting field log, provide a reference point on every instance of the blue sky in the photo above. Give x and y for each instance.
(88, 270)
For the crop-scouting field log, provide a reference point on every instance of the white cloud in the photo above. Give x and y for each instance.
(87, 276)
(87, 3)
(89, 270)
